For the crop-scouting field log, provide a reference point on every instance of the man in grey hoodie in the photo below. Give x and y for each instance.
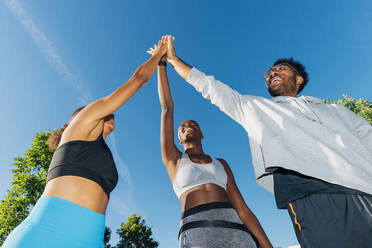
(316, 158)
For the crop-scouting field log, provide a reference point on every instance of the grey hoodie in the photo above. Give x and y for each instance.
(325, 141)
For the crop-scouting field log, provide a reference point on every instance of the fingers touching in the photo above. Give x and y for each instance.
(164, 45)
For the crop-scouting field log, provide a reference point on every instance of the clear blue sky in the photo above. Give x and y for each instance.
(54, 55)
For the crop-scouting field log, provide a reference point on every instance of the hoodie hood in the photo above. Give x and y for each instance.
(303, 104)
(309, 99)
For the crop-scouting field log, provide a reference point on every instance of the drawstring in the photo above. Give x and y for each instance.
(300, 109)
(311, 109)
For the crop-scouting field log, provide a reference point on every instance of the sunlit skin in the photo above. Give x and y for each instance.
(283, 83)
(89, 123)
(190, 137)
(80, 190)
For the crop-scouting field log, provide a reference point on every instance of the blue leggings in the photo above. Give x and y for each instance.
(54, 222)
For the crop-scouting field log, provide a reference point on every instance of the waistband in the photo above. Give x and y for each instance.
(205, 207)
(223, 215)
(68, 219)
(214, 223)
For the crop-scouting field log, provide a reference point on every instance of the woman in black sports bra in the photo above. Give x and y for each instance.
(82, 173)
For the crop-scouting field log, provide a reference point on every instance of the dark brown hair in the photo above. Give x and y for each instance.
(300, 68)
(55, 137)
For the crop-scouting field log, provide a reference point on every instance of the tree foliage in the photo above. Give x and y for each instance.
(106, 238)
(29, 175)
(361, 107)
(28, 183)
(135, 234)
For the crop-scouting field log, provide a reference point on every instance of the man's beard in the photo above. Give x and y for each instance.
(283, 89)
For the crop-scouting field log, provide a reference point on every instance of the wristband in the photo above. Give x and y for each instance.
(162, 63)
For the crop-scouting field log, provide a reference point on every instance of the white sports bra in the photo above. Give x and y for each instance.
(190, 175)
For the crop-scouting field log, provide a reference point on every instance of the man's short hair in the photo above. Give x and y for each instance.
(300, 68)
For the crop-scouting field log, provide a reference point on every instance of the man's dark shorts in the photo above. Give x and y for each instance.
(332, 220)
(324, 214)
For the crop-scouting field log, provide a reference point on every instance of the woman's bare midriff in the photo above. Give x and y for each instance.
(79, 190)
(203, 194)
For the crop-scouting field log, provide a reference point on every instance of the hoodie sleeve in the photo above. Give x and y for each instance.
(221, 95)
(360, 125)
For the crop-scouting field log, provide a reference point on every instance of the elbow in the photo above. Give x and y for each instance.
(165, 160)
(140, 77)
(167, 108)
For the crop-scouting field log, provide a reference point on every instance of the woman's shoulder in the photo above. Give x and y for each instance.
(80, 133)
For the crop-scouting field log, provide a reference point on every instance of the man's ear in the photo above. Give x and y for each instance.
(299, 80)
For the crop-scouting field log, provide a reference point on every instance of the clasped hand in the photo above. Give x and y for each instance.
(165, 48)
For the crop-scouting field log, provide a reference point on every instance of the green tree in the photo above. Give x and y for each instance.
(106, 238)
(135, 234)
(29, 175)
(361, 107)
(28, 183)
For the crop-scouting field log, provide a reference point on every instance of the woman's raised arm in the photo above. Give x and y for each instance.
(170, 153)
(104, 106)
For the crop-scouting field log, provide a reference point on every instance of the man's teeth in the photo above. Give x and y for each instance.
(275, 79)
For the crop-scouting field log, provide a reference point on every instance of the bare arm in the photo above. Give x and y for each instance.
(169, 152)
(97, 110)
(245, 214)
(178, 64)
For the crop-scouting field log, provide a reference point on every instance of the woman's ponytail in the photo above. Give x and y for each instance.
(55, 138)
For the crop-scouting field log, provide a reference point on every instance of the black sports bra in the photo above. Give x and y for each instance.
(89, 159)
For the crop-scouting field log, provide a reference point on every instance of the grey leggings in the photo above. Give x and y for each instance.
(213, 237)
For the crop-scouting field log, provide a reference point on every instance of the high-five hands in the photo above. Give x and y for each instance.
(165, 47)
(161, 47)
(171, 54)
(179, 66)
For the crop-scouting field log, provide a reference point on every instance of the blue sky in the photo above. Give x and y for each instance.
(56, 55)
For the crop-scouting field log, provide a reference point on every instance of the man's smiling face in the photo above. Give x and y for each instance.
(281, 81)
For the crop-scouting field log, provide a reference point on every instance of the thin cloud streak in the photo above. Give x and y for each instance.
(123, 169)
(54, 59)
(121, 199)
(48, 51)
